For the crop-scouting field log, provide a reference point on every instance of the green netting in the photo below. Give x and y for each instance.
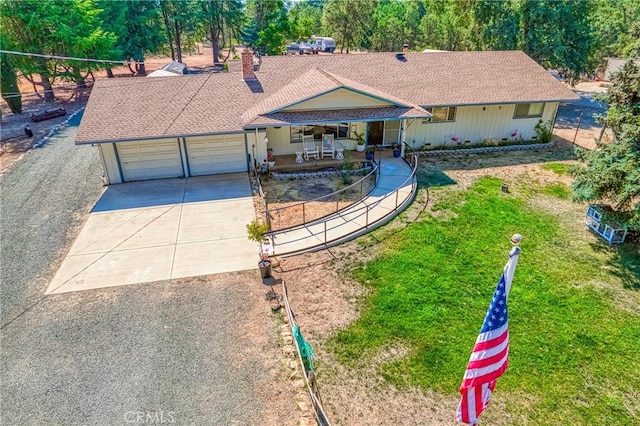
(306, 350)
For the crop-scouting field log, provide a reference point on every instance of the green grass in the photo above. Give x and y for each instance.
(557, 189)
(574, 352)
(561, 169)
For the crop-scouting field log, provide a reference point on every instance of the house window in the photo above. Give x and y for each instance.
(339, 131)
(528, 110)
(442, 114)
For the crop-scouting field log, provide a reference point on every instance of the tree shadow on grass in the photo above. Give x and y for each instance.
(624, 262)
(432, 178)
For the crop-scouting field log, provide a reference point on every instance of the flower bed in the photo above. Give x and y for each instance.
(367, 167)
(479, 150)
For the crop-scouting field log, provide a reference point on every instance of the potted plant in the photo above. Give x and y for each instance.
(396, 150)
(270, 160)
(369, 154)
(255, 232)
(359, 139)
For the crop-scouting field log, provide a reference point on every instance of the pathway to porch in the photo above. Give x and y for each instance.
(394, 190)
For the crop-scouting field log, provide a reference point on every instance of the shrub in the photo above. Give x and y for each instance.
(543, 131)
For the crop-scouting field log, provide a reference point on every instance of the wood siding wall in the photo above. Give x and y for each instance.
(280, 140)
(340, 99)
(475, 124)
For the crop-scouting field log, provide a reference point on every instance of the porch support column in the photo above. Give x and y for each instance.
(402, 138)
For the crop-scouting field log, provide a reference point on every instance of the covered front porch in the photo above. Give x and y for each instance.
(287, 162)
(283, 142)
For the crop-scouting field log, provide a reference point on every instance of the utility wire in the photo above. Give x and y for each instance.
(40, 55)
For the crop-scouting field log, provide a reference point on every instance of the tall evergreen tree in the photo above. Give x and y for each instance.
(137, 26)
(305, 19)
(559, 34)
(9, 84)
(268, 26)
(222, 21)
(57, 28)
(181, 18)
(498, 24)
(349, 22)
(389, 32)
(612, 170)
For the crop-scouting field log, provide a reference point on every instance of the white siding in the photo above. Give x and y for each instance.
(256, 145)
(340, 99)
(109, 163)
(280, 139)
(475, 124)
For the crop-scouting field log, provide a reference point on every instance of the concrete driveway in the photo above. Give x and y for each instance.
(164, 229)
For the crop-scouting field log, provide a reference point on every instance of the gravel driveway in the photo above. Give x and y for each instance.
(569, 116)
(190, 351)
(45, 199)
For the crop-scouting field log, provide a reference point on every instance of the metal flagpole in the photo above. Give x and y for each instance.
(490, 355)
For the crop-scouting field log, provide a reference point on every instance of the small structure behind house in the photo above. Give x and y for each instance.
(598, 219)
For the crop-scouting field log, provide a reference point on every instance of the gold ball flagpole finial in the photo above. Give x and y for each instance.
(515, 240)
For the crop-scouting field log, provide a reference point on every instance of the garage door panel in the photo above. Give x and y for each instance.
(216, 154)
(150, 159)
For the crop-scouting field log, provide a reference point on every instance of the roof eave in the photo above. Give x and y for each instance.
(136, 139)
(351, 120)
(502, 102)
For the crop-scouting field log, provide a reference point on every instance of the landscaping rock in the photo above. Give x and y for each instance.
(295, 374)
(307, 421)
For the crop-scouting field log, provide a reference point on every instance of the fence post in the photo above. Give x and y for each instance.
(366, 221)
(397, 192)
(325, 232)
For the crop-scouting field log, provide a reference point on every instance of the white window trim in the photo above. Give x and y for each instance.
(431, 119)
(516, 117)
(345, 125)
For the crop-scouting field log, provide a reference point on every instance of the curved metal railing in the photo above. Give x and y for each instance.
(298, 214)
(351, 215)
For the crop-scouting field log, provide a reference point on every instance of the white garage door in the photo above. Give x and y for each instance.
(150, 159)
(210, 155)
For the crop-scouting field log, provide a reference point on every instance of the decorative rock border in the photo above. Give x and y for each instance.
(321, 173)
(55, 129)
(433, 152)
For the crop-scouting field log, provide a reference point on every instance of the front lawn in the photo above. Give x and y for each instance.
(574, 308)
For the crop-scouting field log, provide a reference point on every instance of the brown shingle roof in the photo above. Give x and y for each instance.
(314, 83)
(123, 109)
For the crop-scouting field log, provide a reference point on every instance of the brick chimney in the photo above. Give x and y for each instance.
(247, 65)
(405, 48)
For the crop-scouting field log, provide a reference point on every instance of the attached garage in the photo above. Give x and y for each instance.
(150, 159)
(208, 155)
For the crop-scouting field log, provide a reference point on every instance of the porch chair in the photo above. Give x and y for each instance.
(328, 146)
(309, 145)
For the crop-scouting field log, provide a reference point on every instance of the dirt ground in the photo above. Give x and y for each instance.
(284, 197)
(14, 143)
(325, 299)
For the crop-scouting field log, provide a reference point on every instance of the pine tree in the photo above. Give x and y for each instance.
(612, 171)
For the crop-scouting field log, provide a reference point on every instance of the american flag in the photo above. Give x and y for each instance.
(490, 355)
